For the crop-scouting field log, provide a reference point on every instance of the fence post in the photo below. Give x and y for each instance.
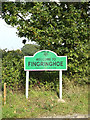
(4, 93)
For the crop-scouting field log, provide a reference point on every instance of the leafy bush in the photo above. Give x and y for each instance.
(12, 72)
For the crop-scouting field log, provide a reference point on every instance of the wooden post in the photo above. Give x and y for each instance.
(4, 93)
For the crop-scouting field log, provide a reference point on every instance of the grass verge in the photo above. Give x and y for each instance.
(43, 103)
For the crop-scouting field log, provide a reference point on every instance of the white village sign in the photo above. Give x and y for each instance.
(45, 60)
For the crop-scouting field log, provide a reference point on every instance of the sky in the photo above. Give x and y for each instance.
(8, 37)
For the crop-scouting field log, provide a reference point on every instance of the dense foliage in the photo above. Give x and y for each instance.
(60, 27)
(12, 69)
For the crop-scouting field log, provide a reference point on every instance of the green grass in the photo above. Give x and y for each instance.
(43, 103)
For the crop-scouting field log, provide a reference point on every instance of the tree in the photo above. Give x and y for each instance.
(60, 27)
(29, 49)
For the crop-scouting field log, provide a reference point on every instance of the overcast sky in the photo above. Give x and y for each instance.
(8, 37)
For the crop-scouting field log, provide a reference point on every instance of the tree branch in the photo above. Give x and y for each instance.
(21, 17)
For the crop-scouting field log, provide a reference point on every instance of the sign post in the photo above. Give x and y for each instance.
(45, 60)
(60, 84)
(27, 83)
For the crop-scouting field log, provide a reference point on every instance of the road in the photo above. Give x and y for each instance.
(70, 116)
